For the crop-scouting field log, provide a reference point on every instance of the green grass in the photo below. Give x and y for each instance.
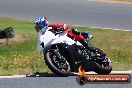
(23, 58)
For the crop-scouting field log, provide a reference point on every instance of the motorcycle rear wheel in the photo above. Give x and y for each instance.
(105, 68)
(96, 67)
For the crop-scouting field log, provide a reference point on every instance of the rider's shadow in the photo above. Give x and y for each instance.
(37, 74)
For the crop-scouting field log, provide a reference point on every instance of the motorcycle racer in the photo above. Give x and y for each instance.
(41, 24)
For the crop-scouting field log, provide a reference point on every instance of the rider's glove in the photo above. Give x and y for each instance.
(75, 31)
(60, 29)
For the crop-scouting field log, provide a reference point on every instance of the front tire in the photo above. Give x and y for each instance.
(58, 65)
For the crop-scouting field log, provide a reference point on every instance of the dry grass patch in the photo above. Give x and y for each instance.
(15, 39)
(117, 1)
(127, 39)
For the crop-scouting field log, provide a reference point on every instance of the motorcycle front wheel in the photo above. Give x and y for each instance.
(57, 63)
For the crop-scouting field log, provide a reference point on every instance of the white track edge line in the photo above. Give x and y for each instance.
(113, 72)
(105, 28)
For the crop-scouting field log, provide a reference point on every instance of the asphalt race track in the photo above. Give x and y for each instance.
(53, 82)
(78, 12)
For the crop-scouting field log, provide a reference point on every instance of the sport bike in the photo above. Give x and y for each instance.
(63, 55)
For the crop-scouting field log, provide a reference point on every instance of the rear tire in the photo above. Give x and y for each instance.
(104, 66)
(93, 66)
(104, 69)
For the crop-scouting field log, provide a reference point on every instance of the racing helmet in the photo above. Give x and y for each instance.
(41, 22)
